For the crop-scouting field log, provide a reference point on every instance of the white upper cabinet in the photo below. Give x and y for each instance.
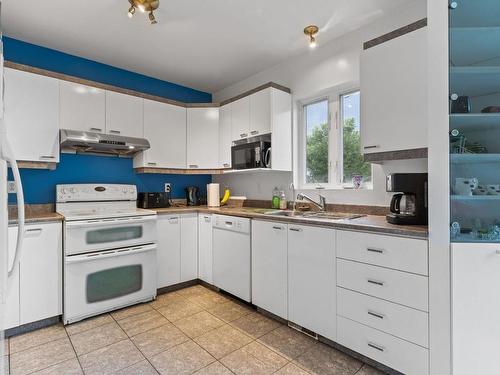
(124, 114)
(394, 94)
(281, 126)
(165, 129)
(82, 107)
(225, 136)
(260, 112)
(31, 115)
(202, 138)
(240, 112)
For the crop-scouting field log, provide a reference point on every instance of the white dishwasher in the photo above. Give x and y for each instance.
(231, 255)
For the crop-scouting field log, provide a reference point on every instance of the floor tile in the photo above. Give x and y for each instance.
(291, 369)
(133, 325)
(96, 338)
(288, 342)
(324, 360)
(111, 358)
(215, 368)
(178, 310)
(223, 340)
(38, 337)
(255, 324)
(181, 359)
(69, 367)
(230, 311)
(166, 299)
(41, 357)
(159, 339)
(87, 324)
(209, 299)
(368, 370)
(254, 358)
(193, 291)
(141, 368)
(198, 324)
(129, 311)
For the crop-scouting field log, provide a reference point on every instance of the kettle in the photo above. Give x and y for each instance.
(192, 196)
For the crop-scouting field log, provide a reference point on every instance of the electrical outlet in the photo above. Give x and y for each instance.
(11, 187)
(168, 187)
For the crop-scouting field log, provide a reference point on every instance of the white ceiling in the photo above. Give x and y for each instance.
(203, 44)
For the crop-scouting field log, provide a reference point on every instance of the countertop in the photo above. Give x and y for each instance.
(37, 217)
(368, 223)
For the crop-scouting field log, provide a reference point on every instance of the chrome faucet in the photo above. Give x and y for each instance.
(322, 201)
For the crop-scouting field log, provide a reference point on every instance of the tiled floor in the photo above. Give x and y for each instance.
(191, 331)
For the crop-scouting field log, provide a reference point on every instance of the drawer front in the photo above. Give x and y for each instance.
(395, 286)
(405, 254)
(398, 354)
(400, 321)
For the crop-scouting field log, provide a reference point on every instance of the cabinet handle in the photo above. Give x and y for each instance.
(229, 223)
(277, 227)
(373, 250)
(375, 346)
(47, 157)
(193, 166)
(243, 135)
(253, 132)
(296, 229)
(207, 218)
(376, 315)
(115, 132)
(96, 129)
(376, 282)
(173, 220)
(33, 232)
(225, 165)
(373, 146)
(151, 163)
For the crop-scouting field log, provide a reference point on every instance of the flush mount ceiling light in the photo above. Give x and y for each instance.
(311, 32)
(144, 6)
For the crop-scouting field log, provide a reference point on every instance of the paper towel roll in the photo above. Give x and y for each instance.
(213, 195)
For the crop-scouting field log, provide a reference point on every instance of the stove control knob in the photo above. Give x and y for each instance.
(72, 190)
(63, 190)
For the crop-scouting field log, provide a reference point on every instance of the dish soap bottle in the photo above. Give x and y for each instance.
(283, 205)
(275, 202)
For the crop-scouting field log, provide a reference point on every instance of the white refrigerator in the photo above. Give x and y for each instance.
(7, 261)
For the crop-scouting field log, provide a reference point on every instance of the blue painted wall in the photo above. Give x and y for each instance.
(39, 185)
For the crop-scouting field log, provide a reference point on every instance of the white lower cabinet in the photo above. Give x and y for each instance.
(169, 250)
(189, 247)
(205, 248)
(35, 288)
(269, 266)
(475, 307)
(311, 279)
(401, 355)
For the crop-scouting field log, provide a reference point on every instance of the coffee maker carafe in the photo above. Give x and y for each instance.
(409, 205)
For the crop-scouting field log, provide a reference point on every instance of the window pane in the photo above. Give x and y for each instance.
(113, 234)
(113, 283)
(354, 168)
(317, 128)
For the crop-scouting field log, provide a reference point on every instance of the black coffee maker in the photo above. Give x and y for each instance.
(192, 196)
(409, 206)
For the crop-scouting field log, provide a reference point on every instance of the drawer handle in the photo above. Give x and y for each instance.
(376, 315)
(229, 223)
(114, 131)
(47, 157)
(253, 132)
(373, 146)
(376, 282)
(373, 250)
(96, 129)
(151, 163)
(296, 229)
(243, 135)
(377, 347)
(277, 228)
(193, 165)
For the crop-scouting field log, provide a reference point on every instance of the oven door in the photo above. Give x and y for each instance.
(104, 281)
(94, 235)
(244, 156)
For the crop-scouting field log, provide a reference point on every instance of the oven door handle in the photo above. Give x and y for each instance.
(106, 222)
(108, 254)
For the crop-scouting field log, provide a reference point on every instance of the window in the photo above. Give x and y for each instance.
(332, 149)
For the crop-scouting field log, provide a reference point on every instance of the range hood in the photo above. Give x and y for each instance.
(99, 143)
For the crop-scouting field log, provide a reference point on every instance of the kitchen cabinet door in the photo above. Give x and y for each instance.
(32, 115)
(393, 78)
(169, 250)
(475, 306)
(281, 138)
(189, 247)
(11, 314)
(124, 115)
(165, 129)
(41, 273)
(205, 248)
(203, 138)
(269, 267)
(260, 112)
(225, 136)
(240, 113)
(82, 107)
(311, 279)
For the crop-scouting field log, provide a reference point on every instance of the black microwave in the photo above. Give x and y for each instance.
(251, 155)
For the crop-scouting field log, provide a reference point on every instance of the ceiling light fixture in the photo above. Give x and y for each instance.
(311, 32)
(144, 6)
